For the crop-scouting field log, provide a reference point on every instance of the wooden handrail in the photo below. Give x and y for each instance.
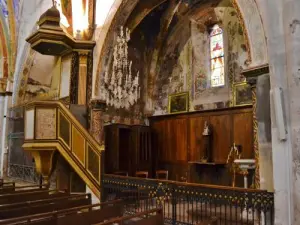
(218, 187)
(18, 204)
(30, 192)
(23, 187)
(71, 117)
(80, 165)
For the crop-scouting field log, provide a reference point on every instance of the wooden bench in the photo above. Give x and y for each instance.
(142, 218)
(43, 206)
(6, 184)
(29, 196)
(84, 215)
(10, 188)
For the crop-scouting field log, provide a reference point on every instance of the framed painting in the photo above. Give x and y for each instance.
(178, 103)
(242, 94)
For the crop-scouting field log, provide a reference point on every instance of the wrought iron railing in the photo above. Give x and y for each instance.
(185, 203)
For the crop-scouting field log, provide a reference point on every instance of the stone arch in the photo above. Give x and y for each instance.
(248, 14)
(23, 71)
(250, 17)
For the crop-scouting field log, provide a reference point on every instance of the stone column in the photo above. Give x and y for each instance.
(291, 25)
(258, 78)
(274, 13)
(5, 104)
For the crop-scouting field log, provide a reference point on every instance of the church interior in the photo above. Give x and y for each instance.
(150, 112)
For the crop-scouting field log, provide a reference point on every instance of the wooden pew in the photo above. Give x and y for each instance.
(10, 187)
(84, 215)
(29, 196)
(6, 184)
(7, 188)
(142, 218)
(43, 206)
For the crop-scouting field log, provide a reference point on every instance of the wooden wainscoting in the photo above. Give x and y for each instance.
(179, 144)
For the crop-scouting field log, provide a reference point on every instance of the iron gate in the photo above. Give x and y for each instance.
(21, 165)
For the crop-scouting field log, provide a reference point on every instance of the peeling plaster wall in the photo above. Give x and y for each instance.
(43, 77)
(185, 62)
(291, 12)
(255, 31)
(140, 49)
(105, 55)
(30, 13)
(100, 36)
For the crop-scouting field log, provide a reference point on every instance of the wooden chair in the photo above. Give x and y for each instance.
(212, 221)
(121, 173)
(162, 174)
(142, 218)
(142, 174)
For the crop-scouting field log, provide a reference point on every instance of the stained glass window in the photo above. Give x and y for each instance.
(217, 57)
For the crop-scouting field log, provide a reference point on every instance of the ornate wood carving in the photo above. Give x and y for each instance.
(74, 78)
(97, 109)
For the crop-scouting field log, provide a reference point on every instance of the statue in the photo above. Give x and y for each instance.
(206, 130)
(207, 143)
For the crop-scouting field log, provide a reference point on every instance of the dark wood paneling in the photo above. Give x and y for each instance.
(178, 141)
(221, 136)
(159, 143)
(196, 140)
(242, 127)
(128, 149)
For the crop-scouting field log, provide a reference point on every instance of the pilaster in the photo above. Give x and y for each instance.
(252, 75)
(98, 108)
(82, 78)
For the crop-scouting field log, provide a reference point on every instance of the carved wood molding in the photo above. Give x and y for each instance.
(252, 74)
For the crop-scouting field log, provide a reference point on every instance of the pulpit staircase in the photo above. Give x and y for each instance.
(50, 127)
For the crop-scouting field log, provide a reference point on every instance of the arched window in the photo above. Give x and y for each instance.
(217, 76)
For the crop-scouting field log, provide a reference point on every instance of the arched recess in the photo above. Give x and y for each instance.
(132, 12)
(22, 70)
(250, 15)
(32, 83)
